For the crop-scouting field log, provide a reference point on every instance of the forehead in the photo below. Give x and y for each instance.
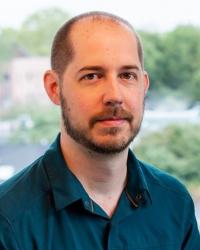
(90, 26)
(103, 36)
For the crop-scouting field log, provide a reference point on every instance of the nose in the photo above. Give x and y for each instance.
(112, 93)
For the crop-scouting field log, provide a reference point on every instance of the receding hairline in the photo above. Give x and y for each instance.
(94, 16)
(100, 16)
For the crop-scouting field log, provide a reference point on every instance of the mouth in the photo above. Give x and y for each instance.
(112, 122)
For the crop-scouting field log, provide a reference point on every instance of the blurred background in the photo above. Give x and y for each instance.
(170, 31)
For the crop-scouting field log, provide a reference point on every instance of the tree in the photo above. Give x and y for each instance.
(173, 61)
(35, 35)
(174, 149)
(153, 57)
(182, 60)
(38, 30)
(8, 39)
(31, 125)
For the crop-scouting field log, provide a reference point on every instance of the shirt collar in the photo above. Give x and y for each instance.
(67, 189)
(65, 186)
(137, 188)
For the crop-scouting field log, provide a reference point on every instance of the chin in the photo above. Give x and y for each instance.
(111, 146)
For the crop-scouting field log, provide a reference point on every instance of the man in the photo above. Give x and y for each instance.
(89, 191)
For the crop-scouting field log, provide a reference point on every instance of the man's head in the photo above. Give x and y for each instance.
(98, 79)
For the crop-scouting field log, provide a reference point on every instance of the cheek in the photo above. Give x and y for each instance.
(136, 100)
(80, 107)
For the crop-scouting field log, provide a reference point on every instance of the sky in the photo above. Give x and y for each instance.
(154, 15)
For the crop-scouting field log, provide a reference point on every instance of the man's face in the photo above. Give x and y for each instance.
(103, 88)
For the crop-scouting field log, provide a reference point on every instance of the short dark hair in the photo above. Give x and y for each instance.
(62, 48)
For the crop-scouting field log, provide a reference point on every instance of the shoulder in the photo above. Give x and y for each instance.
(164, 182)
(172, 204)
(19, 192)
(169, 195)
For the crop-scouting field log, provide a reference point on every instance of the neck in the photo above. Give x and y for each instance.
(102, 176)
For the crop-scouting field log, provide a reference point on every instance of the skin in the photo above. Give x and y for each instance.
(104, 75)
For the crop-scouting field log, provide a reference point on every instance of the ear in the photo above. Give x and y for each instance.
(52, 87)
(146, 82)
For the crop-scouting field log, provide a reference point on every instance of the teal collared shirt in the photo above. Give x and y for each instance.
(45, 207)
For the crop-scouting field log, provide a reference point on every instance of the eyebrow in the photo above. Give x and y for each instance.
(99, 68)
(135, 67)
(96, 68)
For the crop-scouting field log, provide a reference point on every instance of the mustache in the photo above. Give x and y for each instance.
(115, 113)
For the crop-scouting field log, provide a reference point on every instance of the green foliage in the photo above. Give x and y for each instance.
(35, 35)
(193, 88)
(173, 60)
(8, 38)
(38, 30)
(174, 149)
(182, 50)
(34, 123)
(153, 57)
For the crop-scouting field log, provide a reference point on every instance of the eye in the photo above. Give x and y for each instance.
(91, 76)
(128, 76)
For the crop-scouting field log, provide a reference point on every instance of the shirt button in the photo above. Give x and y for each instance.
(87, 204)
(138, 197)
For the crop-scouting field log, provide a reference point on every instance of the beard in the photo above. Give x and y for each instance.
(84, 137)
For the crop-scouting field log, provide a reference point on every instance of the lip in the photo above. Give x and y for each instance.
(112, 122)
